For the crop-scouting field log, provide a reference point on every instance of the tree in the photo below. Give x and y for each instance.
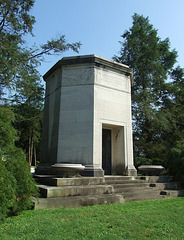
(152, 62)
(18, 73)
(14, 23)
(28, 118)
(28, 123)
(174, 112)
(18, 62)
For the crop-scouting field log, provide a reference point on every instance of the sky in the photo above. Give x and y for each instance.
(99, 24)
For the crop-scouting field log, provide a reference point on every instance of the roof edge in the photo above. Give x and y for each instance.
(90, 59)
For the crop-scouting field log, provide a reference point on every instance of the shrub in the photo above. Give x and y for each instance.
(16, 182)
(25, 186)
(7, 192)
(176, 160)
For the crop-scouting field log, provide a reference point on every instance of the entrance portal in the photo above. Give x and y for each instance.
(113, 149)
(106, 151)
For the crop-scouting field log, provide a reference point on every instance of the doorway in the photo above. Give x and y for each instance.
(106, 151)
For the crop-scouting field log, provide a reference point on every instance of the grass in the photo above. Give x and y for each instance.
(154, 219)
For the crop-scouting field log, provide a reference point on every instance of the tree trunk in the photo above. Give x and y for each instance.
(29, 151)
(30, 155)
(31, 148)
(34, 156)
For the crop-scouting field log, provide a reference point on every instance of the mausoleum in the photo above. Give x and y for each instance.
(87, 116)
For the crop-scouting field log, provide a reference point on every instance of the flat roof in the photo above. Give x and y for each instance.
(82, 59)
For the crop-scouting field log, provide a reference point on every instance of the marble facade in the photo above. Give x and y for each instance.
(84, 96)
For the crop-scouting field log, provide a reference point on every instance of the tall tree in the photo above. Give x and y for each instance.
(18, 73)
(18, 69)
(174, 114)
(28, 122)
(152, 60)
(15, 22)
(18, 62)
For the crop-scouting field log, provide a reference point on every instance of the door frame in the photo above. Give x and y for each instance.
(118, 147)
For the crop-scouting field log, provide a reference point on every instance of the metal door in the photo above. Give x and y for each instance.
(106, 151)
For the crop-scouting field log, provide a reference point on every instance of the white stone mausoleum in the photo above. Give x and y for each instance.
(87, 116)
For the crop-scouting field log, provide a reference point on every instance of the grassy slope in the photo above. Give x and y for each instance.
(155, 219)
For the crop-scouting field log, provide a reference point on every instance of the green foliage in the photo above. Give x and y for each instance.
(172, 128)
(28, 123)
(157, 92)
(154, 219)
(7, 132)
(18, 73)
(55, 46)
(25, 187)
(28, 118)
(14, 18)
(142, 161)
(15, 22)
(16, 182)
(18, 62)
(7, 191)
(176, 160)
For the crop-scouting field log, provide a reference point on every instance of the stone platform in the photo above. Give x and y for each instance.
(88, 191)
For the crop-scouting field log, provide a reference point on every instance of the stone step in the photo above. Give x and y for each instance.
(122, 178)
(164, 179)
(113, 182)
(134, 190)
(131, 185)
(76, 201)
(138, 192)
(79, 181)
(151, 179)
(167, 185)
(66, 191)
(173, 193)
(143, 197)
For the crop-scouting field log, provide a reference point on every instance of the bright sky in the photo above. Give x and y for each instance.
(98, 24)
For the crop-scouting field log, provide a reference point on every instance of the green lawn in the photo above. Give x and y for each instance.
(155, 219)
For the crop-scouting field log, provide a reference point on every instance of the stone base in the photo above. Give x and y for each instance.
(92, 171)
(131, 172)
(89, 171)
(67, 170)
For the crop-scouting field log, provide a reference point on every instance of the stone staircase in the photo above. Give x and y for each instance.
(145, 188)
(87, 191)
(74, 192)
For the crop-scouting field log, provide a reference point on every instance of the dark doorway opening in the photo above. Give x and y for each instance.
(106, 151)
